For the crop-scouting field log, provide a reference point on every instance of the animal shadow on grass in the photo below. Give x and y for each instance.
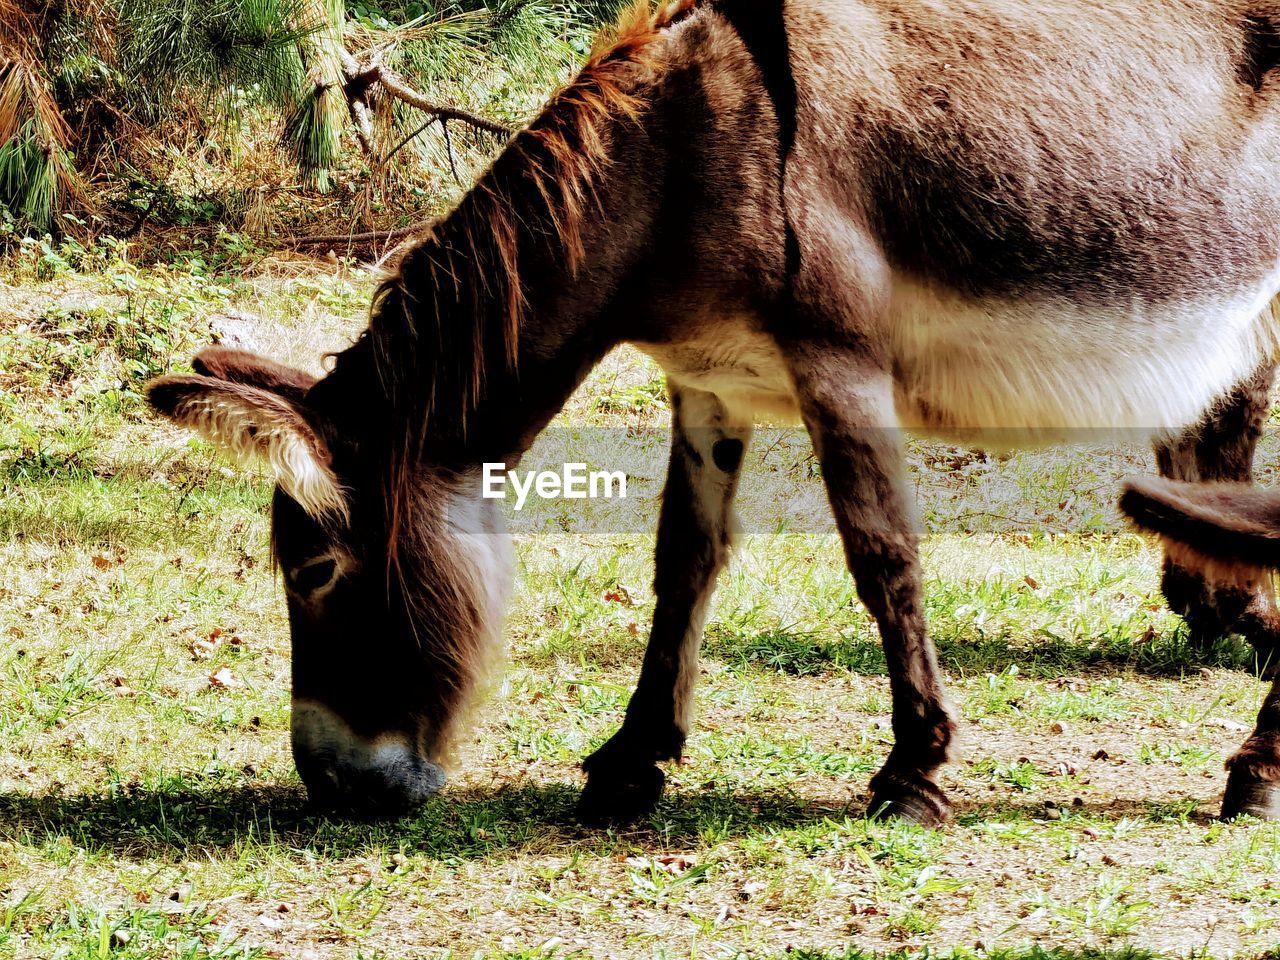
(801, 653)
(972, 811)
(181, 821)
(176, 823)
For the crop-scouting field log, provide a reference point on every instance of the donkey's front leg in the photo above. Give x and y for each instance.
(847, 403)
(694, 541)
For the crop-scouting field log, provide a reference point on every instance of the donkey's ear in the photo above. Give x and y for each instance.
(1229, 530)
(240, 366)
(251, 422)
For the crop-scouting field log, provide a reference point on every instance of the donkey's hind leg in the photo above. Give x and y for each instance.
(1220, 448)
(694, 542)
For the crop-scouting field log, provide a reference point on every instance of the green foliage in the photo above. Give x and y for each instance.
(313, 129)
(105, 354)
(312, 135)
(203, 88)
(233, 51)
(517, 46)
(34, 172)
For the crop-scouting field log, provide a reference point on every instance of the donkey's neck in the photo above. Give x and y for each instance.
(567, 320)
(492, 322)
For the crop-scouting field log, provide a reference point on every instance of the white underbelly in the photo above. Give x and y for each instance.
(1015, 374)
(1038, 372)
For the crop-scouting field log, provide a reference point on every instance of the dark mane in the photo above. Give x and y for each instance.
(452, 312)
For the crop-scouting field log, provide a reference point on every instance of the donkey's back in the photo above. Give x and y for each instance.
(1076, 203)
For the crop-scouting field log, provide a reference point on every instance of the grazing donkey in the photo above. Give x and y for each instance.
(1229, 533)
(958, 216)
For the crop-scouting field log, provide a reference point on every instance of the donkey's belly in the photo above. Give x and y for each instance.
(1041, 371)
(1016, 373)
(739, 364)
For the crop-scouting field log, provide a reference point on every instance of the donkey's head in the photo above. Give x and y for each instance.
(387, 649)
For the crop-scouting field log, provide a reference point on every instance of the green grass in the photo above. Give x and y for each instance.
(145, 812)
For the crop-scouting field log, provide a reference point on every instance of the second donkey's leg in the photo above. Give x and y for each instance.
(1253, 786)
(694, 541)
(1220, 448)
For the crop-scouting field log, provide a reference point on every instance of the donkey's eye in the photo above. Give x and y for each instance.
(314, 576)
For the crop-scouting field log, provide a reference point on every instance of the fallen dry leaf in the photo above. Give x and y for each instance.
(120, 687)
(224, 679)
(1074, 684)
(672, 863)
(618, 595)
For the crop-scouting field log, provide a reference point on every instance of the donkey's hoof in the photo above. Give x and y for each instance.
(620, 795)
(913, 799)
(1248, 796)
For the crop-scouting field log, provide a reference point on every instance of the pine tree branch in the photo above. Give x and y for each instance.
(422, 128)
(364, 126)
(362, 82)
(362, 78)
(393, 84)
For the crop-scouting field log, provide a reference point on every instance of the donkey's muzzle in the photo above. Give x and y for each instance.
(354, 776)
(387, 790)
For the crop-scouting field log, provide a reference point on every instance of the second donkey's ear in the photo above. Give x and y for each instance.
(251, 370)
(1231, 531)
